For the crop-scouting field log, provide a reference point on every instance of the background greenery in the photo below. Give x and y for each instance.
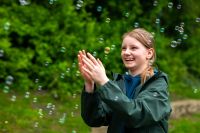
(39, 42)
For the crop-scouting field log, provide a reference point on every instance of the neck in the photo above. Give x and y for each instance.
(135, 72)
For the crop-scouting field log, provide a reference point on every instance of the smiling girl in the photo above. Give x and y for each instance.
(134, 102)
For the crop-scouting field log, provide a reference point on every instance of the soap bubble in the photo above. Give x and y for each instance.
(9, 80)
(116, 98)
(185, 36)
(7, 26)
(107, 50)
(94, 53)
(107, 20)
(101, 40)
(170, 4)
(27, 94)
(24, 2)
(179, 6)
(155, 3)
(197, 20)
(99, 8)
(13, 98)
(36, 124)
(63, 49)
(179, 41)
(1, 53)
(162, 30)
(35, 99)
(6, 89)
(126, 14)
(157, 21)
(173, 44)
(136, 24)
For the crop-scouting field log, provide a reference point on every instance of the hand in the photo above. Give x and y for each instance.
(95, 69)
(89, 83)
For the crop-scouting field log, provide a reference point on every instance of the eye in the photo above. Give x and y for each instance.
(133, 48)
(123, 48)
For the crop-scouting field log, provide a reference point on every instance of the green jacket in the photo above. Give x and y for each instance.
(147, 112)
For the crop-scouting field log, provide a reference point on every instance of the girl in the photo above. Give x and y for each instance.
(134, 102)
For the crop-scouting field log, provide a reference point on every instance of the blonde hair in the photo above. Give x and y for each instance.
(147, 39)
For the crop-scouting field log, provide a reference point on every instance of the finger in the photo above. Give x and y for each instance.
(87, 72)
(92, 58)
(100, 63)
(88, 63)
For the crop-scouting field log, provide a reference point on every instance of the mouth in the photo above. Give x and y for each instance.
(129, 60)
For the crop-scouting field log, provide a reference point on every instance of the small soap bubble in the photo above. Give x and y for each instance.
(99, 8)
(182, 24)
(136, 24)
(62, 49)
(176, 27)
(107, 20)
(1, 53)
(74, 131)
(36, 124)
(9, 80)
(181, 30)
(68, 70)
(27, 94)
(127, 14)
(62, 75)
(24, 2)
(35, 99)
(179, 6)
(173, 44)
(50, 112)
(155, 94)
(49, 105)
(157, 21)
(107, 50)
(39, 87)
(112, 47)
(53, 107)
(76, 106)
(106, 57)
(6, 122)
(195, 91)
(6, 89)
(62, 119)
(179, 41)
(101, 40)
(162, 30)
(46, 63)
(36, 81)
(77, 73)
(155, 3)
(170, 4)
(7, 26)
(51, 2)
(72, 114)
(74, 95)
(185, 36)
(116, 98)
(40, 112)
(13, 98)
(94, 53)
(74, 65)
(197, 20)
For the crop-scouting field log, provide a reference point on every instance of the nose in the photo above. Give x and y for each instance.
(127, 51)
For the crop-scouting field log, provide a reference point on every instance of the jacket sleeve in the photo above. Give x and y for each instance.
(151, 105)
(93, 111)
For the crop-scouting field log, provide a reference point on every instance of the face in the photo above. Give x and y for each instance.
(135, 55)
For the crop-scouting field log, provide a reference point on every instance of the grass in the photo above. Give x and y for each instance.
(39, 113)
(47, 115)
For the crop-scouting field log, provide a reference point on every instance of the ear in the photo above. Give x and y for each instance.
(150, 53)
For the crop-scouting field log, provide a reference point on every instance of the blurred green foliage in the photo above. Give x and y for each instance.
(39, 40)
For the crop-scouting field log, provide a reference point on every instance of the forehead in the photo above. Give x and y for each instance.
(128, 40)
